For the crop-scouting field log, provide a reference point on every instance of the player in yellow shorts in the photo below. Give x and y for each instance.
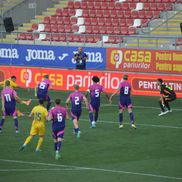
(40, 114)
(14, 85)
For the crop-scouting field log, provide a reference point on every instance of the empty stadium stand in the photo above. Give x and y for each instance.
(103, 21)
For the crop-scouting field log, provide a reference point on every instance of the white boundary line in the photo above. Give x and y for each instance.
(94, 169)
(152, 125)
(30, 170)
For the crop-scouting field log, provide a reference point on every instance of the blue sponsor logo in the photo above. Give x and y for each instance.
(50, 56)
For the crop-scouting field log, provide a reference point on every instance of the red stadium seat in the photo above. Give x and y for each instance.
(60, 20)
(87, 21)
(76, 38)
(153, 6)
(54, 28)
(62, 38)
(122, 22)
(161, 7)
(92, 13)
(108, 22)
(111, 6)
(77, 5)
(110, 30)
(125, 6)
(97, 38)
(55, 37)
(83, 5)
(129, 22)
(58, 12)
(46, 20)
(73, 20)
(95, 30)
(53, 20)
(75, 28)
(88, 30)
(68, 28)
(97, 5)
(70, 4)
(101, 22)
(47, 28)
(90, 5)
(131, 30)
(117, 31)
(90, 39)
(29, 36)
(94, 21)
(124, 30)
(102, 30)
(66, 20)
(22, 36)
(99, 13)
(65, 12)
(115, 22)
(61, 29)
(135, 14)
(113, 14)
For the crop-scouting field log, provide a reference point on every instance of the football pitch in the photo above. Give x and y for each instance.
(151, 153)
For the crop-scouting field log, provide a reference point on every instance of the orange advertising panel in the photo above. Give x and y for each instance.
(144, 60)
(142, 84)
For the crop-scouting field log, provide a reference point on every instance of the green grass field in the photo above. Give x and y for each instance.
(151, 153)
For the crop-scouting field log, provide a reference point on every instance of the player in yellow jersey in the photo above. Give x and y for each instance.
(14, 85)
(40, 114)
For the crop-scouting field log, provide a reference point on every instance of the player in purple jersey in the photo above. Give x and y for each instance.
(41, 91)
(95, 91)
(58, 115)
(124, 101)
(76, 99)
(9, 99)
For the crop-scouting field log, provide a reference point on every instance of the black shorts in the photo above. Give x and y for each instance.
(170, 98)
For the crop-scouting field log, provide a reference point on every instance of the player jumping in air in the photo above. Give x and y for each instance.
(95, 91)
(166, 95)
(9, 99)
(39, 114)
(41, 91)
(76, 107)
(125, 101)
(58, 115)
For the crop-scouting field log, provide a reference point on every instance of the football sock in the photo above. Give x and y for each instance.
(96, 115)
(59, 145)
(167, 105)
(120, 118)
(39, 143)
(162, 108)
(91, 116)
(29, 138)
(131, 117)
(76, 130)
(2, 123)
(55, 146)
(16, 123)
